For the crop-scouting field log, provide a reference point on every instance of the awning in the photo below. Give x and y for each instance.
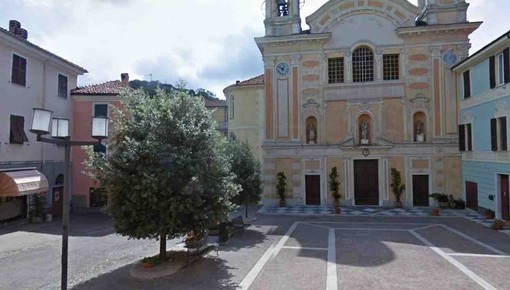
(18, 183)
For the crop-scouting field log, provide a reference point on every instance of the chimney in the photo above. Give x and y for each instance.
(124, 77)
(23, 33)
(13, 24)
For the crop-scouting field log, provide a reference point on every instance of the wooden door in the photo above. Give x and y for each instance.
(505, 201)
(366, 182)
(420, 190)
(313, 189)
(57, 194)
(472, 195)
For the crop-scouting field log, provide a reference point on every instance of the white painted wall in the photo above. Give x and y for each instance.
(40, 91)
(363, 28)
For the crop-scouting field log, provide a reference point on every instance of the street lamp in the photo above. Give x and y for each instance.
(60, 136)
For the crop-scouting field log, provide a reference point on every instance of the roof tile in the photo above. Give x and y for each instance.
(108, 88)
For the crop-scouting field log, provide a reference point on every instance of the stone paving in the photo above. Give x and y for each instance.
(379, 211)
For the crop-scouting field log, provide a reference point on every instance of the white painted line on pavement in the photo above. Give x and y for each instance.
(319, 226)
(305, 248)
(426, 227)
(477, 255)
(284, 239)
(490, 248)
(368, 223)
(331, 279)
(270, 253)
(369, 229)
(479, 280)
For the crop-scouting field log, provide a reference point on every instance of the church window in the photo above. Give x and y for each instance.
(390, 67)
(362, 65)
(336, 70)
(283, 7)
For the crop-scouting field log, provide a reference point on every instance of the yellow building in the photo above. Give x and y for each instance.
(367, 88)
(218, 110)
(244, 112)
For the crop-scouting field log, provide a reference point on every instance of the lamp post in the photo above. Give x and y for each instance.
(41, 121)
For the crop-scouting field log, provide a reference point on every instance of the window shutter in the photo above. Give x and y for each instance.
(21, 129)
(16, 136)
(506, 60)
(503, 128)
(492, 71)
(462, 138)
(494, 134)
(469, 138)
(467, 85)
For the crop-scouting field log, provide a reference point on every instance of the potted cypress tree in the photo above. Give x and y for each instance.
(281, 184)
(334, 185)
(397, 186)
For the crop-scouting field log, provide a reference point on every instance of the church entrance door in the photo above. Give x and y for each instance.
(366, 182)
(313, 189)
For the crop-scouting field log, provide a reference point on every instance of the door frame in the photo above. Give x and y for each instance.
(431, 200)
(382, 165)
(498, 193)
(321, 181)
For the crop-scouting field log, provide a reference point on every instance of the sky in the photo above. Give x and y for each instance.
(208, 43)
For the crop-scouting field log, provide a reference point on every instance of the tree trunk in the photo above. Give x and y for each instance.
(162, 247)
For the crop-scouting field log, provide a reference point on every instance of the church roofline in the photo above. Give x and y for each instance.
(472, 26)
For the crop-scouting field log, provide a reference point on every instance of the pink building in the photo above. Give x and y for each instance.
(89, 101)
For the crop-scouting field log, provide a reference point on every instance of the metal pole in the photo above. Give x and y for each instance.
(65, 218)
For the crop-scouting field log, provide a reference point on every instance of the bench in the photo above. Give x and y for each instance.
(238, 223)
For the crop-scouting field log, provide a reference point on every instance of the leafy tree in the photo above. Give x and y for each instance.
(166, 171)
(247, 170)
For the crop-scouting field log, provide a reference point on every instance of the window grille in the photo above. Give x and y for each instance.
(62, 86)
(336, 70)
(362, 65)
(390, 67)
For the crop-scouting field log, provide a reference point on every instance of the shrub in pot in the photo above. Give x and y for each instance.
(334, 186)
(397, 186)
(281, 185)
(441, 199)
(489, 214)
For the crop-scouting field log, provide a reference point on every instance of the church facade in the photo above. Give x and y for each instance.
(367, 88)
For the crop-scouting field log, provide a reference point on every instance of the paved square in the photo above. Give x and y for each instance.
(378, 255)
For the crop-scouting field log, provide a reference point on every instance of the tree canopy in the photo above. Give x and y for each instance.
(166, 170)
(247, 170)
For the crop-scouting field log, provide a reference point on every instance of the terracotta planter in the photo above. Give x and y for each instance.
(398, 204)
(443, 204)
(435, 212)
(507, 223)
(147, 265)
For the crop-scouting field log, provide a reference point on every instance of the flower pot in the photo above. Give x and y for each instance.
(435, 212)
(283, 203)
(443, 204)
(398, 204)
(147, 265)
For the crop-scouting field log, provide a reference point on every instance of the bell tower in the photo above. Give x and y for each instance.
(282, 17)
(443, 11)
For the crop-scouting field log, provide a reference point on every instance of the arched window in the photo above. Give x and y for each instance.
(283, 7)
(311, 130)
(362, 65)
(419, 127)
(364, 129)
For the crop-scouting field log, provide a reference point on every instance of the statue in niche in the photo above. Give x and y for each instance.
(420, 135)
(311, 134)
(364, 128)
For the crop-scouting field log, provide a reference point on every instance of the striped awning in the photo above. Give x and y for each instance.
(18, 183)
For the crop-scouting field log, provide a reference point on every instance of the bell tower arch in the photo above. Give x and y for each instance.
(282, 17)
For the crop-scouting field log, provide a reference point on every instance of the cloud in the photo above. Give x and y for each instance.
(239, 58)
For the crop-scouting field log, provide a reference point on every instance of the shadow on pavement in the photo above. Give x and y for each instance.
(205, 273)
(90, 224)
